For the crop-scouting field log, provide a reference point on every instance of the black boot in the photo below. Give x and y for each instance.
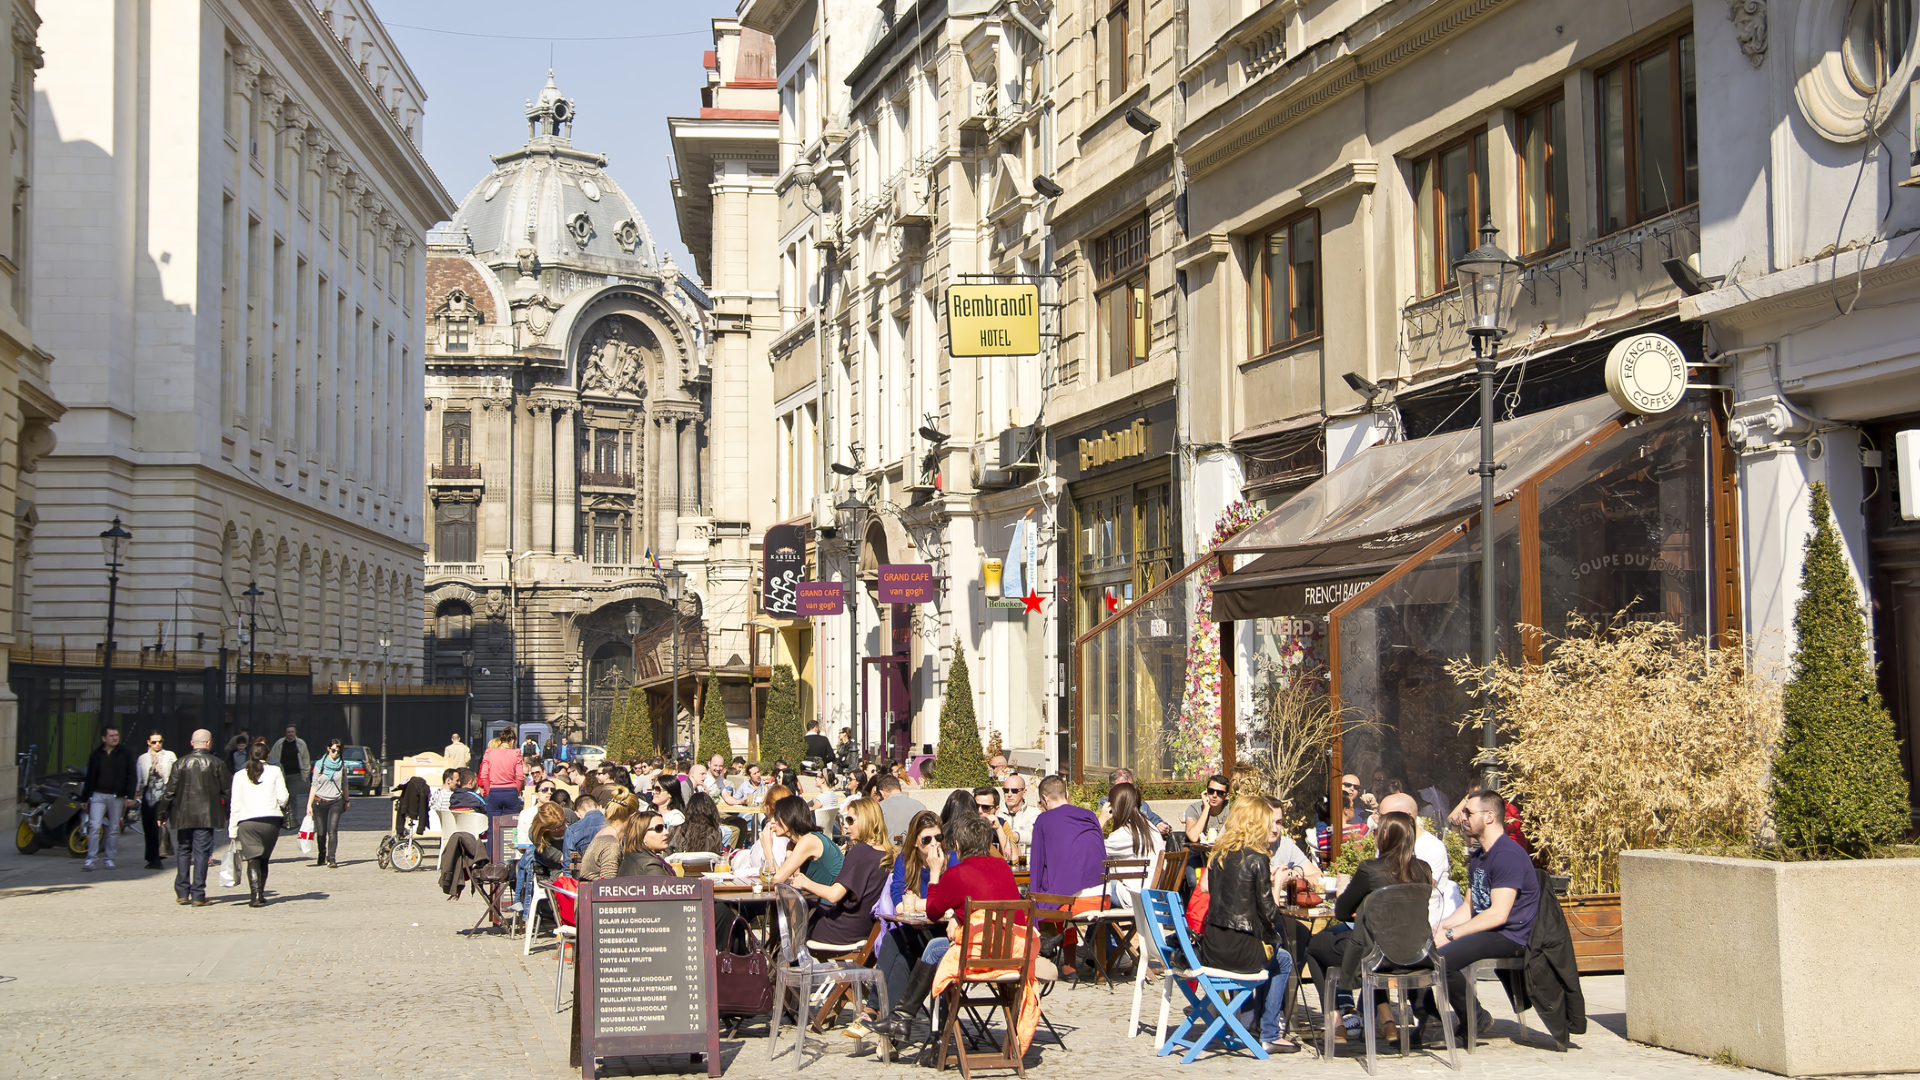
(263, 880)
(897, 1025)
(253, 884)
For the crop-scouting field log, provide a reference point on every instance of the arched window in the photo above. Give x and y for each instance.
(453, 621)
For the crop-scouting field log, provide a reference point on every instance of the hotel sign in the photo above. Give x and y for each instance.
(1129, 440)
(993, 320)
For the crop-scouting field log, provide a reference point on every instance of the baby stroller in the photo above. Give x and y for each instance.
(406, 845)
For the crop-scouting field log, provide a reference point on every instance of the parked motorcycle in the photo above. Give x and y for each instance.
(53, 815)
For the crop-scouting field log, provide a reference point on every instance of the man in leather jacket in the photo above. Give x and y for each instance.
(196, 805)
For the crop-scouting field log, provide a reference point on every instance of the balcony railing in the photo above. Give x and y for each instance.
(588, 478)
(456, 472)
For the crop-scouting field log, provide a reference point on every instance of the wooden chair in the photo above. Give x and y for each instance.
(998, 950)
(1120, 881)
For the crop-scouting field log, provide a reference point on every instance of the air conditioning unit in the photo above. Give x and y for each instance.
(918, 469)
(980, 107)
(913, 201)
(828, 233)
(1019, 445)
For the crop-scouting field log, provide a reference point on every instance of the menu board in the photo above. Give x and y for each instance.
(647, 982)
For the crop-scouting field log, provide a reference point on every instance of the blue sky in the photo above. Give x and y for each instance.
(480, 66)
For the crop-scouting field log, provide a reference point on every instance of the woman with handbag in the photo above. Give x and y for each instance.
(258, 803)
(326, 802)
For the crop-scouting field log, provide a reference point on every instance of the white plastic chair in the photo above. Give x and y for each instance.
(446, 823)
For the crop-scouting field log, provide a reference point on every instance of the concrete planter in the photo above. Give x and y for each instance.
(1754, 959)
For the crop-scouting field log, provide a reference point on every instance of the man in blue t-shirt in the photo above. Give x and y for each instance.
(1504, 896)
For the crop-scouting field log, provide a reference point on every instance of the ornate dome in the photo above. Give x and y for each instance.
(553, 202)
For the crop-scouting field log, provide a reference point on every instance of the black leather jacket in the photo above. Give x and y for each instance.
(1241, 886)
(197, 792)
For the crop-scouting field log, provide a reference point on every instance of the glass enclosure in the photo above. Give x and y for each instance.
(1132, 680)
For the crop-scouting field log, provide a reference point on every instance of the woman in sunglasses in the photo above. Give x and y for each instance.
(644, 840)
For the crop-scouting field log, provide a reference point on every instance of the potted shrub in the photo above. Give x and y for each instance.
(1628, 735)
(1743, 955)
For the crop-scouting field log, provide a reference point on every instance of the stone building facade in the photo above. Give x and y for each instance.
(570, 444)
(234, 287)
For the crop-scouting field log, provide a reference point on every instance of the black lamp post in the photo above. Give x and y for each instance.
(853, 518)
(253, 595)
(633, 659)
(676, 581)
(114, 543)
(466, 668)
(386, 642)
(1489, 285)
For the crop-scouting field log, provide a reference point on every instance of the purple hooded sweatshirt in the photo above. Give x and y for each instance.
(1068, 854)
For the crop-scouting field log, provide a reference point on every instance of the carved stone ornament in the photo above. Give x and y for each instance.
(539, 312)
(611, 360)
(496, 606)
(1749, 19)
(627, 235)
(580, 227)
(529, 261)
(458, 305)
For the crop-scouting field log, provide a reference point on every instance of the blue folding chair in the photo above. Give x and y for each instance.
(1214, 999)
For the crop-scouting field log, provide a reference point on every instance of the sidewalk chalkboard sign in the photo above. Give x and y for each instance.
(647, 983)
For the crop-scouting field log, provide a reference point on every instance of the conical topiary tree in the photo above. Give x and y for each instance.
(713, 725)
(781, 737)
(1837, 784)
(620, 729)
(961, 761)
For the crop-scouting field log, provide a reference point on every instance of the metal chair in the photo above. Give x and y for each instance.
(1400, 957)
(797, 969)
(1215, 997)
(998, 948)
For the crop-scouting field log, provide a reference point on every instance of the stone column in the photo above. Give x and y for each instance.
(689, 469)
(542, 415)
(566, 469)
(666, 503)
(494, 455)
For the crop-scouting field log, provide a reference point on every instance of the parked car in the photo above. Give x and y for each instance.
(363, 770)
(588, 756)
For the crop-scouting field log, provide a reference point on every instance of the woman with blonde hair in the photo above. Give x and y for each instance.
(602, 856)
(1243, 914)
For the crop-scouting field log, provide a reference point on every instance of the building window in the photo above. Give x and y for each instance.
(1287, 282)
(453, 532)
(606, 451)
(456, 438)
(1875, 45)
(1120, 269)
(459, 334)
(1450, 197)
(453, 622)
(1120, 49)
(1543, 176)
(1649, 145)
(609, 534)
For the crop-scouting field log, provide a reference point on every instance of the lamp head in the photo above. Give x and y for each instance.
(1142, 121)
(1045, 186)
(1489, 285)
(633, 622)
(676, 581)
(844, 470)
(113, 543)
(932, 434)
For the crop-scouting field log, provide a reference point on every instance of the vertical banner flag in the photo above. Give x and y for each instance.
(784, 561)
(1012, 584)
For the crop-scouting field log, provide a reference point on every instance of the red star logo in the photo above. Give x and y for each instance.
(1032, 600)
(1113, 603)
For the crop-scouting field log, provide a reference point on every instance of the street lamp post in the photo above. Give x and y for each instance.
(386, 642)
(1489, 285)
(676, 581)
(466, 668)
(633, 660)
(114, 543)
(853, 516)
(253, 595)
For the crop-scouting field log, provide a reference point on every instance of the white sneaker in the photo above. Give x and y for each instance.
(88, 865)
(109, 864)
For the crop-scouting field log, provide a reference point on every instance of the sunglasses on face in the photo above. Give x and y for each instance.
(1349, 787)
(925, 840)
(848, 821)
(986, 807)
(658, 828)
(153, 742)
(1215, 793)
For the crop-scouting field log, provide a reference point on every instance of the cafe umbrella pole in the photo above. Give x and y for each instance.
(1489, 284)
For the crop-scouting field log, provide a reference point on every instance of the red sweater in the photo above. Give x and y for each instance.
(502, 766)
(982, 877)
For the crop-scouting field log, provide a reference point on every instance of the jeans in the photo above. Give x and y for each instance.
(326, 828)
(894, 957)
(1329, 949)
(936, 948)
(192, 850)
(1486, 945)
(150, 825)
(1271, 998)
(296, 798)
(103, 825)
(504, 800)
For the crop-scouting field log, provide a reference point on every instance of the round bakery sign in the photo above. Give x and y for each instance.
(1647, 374)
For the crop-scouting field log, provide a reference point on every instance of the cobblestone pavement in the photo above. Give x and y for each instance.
(360, 972)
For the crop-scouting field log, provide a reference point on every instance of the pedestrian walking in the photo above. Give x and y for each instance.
(259, 801)
(326, 801)
(153, 768)
(237, 752)
(457, 754)
(502, 771)
(195, 804)
(290, 753)
(109, 785)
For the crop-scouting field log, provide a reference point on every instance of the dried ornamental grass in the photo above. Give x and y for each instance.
(1283, 747)
(1632, 735)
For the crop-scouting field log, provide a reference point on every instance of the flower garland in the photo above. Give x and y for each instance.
(1195, 740)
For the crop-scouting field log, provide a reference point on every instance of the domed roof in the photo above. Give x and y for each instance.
(554, 199)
